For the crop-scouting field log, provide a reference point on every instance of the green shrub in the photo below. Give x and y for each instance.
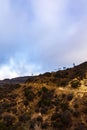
(81, 126)
(57, 124)
(45, 103)
(70, 96)
(84, 110)
(76, 114)
(29, 94)
(44, 110)
(55, 116)
(76, 106)
(26, 102)
(4, 127)
(66, 118)
(45, 125)
(25, 117)
(9, 119)
(44, 89)
(64, 106)
(75, 83)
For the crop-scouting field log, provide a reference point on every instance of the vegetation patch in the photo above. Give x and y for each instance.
(75, 83)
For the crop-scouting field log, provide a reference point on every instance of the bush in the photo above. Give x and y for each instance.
(47, 74)
(46, 98)
(25, 117)
(14, 110)
(64, 106)
(44, 89)
(57, 124)
(76, 105)
(70, 97)
(81, 126)
(84, 110)
(76, 114)
(4, 127)
(26, 102)
(9, 119)
(39, 119)
(66, 118)
(17, 86)
(44, 110)
(45, 102)
(45, 125)
(56, 121)
(62, 120)
(55, 116)
(75, 83)
(29, 94)
(64, 82)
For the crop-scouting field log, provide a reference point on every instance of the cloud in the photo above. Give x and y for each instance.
(41, 35)
(19, 68)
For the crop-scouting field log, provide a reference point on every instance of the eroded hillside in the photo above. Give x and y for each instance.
(52, 101)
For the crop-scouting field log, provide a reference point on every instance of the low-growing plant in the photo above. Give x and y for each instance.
(29, 94)
(64, 106)
(75, 83)
(9, 119)
(25, 117)
(70, 96)
(81, 126)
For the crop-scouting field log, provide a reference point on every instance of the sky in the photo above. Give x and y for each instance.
(41, 35)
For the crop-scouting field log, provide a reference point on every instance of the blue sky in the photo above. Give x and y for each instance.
(41, 35)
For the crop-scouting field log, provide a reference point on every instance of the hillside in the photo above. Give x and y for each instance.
(49, 101)
(17, 80)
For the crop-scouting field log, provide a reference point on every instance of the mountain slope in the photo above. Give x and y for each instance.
(51, 101)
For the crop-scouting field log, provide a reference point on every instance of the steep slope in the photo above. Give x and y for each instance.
(51, 101)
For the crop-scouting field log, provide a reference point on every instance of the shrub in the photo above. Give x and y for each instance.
(84, 110)
(45, 102)
(39, 119)
(75, 83)
(24, 117)
(55, 120)
(61, 74)
(46, 98)
(44, 89)
(26, 102)
(64, 83)
(66, 118)
(55, 116)
(9, 119)
(56, 102)
(76, 114)
(4, 127)
(14, 110)
(70, 96)
(64, 106)
(76, 105)
(47, 74)
(17, 86)
(81, 126)
(58, 125)
(44, 110)
(61, 120)
(29, 94)
(45, 125)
